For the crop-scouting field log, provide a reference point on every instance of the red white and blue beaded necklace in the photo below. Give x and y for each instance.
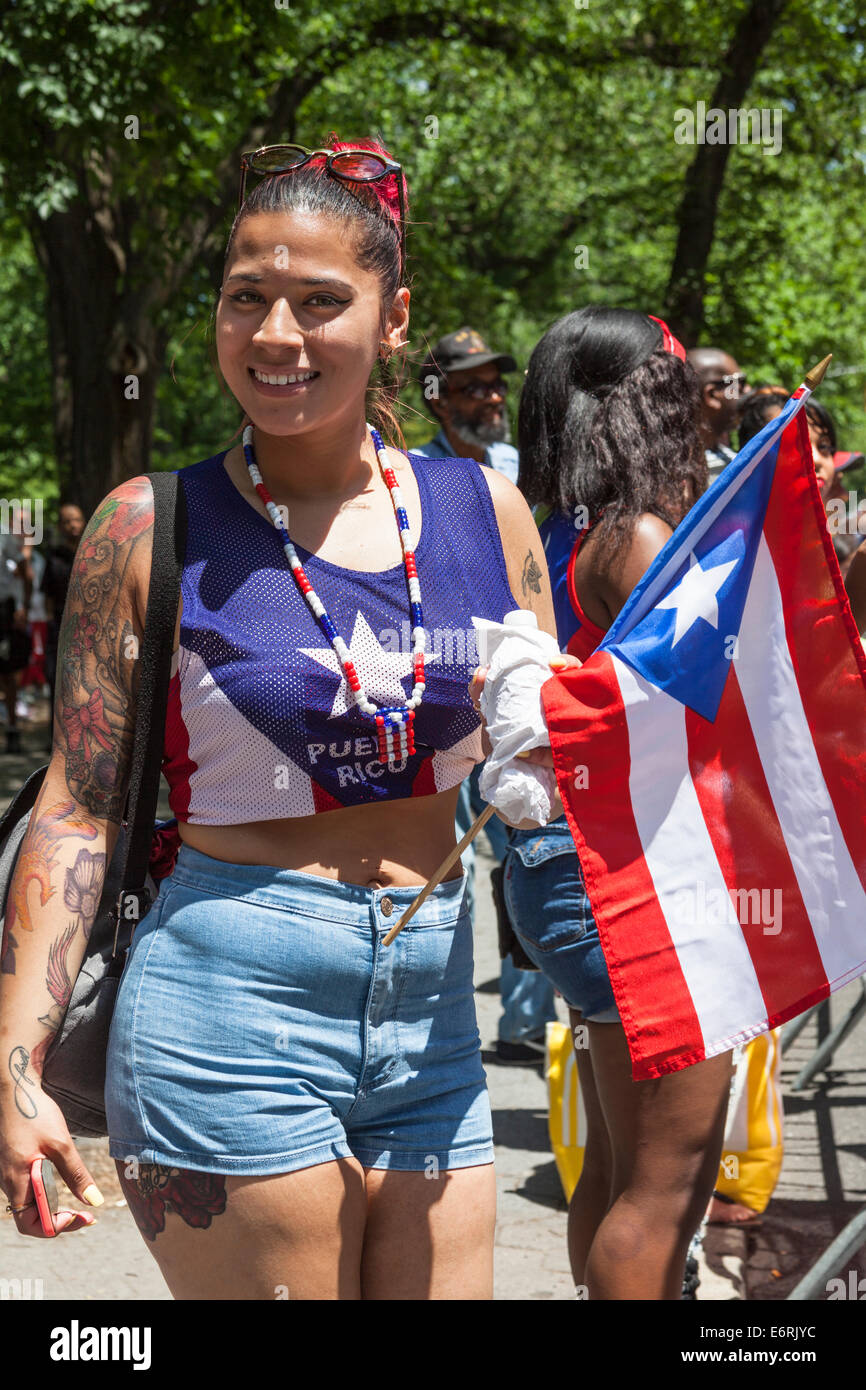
(393, 724)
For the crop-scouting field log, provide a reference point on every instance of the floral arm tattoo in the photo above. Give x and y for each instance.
(60, 871)
(98, 651)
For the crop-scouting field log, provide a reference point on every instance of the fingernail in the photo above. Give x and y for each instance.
(93, 1196)
(557, 664)
(523, 755)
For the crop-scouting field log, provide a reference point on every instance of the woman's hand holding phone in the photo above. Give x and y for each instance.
(27, 1173)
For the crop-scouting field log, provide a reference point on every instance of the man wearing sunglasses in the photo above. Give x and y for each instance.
(463, 386)
(723, 391)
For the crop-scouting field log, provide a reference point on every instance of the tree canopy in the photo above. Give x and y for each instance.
(543, 171)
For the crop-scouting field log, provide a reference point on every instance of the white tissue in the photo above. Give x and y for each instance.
(517, 653)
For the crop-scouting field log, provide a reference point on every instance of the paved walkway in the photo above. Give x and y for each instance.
(823, 1181)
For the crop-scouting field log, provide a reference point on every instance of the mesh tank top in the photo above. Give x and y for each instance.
(261, 724)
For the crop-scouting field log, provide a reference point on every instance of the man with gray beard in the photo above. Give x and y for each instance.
(462, 384)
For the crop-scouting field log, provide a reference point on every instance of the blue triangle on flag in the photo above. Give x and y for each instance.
(686, 642)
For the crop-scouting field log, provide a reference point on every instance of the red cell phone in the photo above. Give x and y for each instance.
(43, 1176)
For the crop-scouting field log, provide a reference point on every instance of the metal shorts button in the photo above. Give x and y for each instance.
(387, 907)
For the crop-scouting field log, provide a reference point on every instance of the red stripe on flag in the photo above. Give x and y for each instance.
(587, 722)
(737, 807)
(825, 646)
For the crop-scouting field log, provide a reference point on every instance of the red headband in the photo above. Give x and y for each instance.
(669, 342)
(385, 190)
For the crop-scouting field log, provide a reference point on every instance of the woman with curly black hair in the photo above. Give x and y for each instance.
(610, 453)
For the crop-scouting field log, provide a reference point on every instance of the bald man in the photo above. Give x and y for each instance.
(723, 387)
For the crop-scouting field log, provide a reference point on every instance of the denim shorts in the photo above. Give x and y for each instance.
(261, 1026)
(550, 912)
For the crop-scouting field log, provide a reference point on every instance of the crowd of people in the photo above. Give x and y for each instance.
(34, 578)
(278, 1081)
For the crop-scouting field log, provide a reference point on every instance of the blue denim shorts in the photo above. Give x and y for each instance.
(261, 1026)
(550, 912)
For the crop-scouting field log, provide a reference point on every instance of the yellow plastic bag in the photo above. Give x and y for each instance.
(565, 1115)
(753, 1149)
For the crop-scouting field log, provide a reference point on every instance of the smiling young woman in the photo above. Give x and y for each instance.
(292, 1105)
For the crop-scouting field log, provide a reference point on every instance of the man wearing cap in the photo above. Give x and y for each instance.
(463, 386)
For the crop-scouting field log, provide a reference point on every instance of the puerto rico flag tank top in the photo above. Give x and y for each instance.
(261, 724)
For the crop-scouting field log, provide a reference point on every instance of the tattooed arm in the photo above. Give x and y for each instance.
(524, 552)
(73, 827)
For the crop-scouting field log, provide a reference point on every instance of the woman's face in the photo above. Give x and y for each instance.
(822, 450)
(822, 456)
(295, 304)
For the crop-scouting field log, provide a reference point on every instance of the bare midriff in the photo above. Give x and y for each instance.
(380, 845)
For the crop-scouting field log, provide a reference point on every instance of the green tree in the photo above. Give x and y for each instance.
(542, 162)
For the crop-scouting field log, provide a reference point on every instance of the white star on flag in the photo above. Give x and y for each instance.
(695, 596)
(378, 671)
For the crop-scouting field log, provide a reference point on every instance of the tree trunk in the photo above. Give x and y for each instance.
(105, 355)
(698, 209)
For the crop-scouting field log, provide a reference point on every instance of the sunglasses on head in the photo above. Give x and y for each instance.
(351, 166)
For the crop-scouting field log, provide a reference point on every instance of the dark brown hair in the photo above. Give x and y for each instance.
(373, 210)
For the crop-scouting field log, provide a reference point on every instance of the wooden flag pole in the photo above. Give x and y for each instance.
(440, 873)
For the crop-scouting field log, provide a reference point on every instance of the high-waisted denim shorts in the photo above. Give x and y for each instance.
(550, 912)
(261, 1026)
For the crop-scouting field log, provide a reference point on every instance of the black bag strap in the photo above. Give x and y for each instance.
(169, 548)
(23, 801)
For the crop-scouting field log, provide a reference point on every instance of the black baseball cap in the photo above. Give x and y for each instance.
(459, 350)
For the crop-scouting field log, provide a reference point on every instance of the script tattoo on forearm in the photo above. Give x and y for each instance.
(97, 669)
(195, 1197)
(25, 1104)
(531, 577)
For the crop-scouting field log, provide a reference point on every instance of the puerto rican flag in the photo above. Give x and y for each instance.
(711, 756)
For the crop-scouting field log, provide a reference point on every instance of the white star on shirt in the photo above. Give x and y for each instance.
(695, 596)
(379, 671)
